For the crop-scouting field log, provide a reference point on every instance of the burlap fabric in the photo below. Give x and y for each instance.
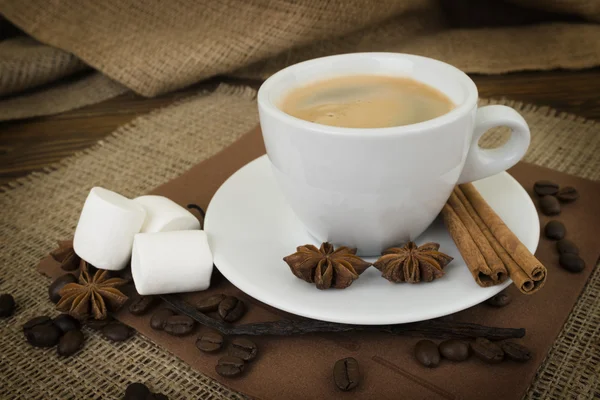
(140, 156)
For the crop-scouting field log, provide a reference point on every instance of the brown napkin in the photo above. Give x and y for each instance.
(301, 367)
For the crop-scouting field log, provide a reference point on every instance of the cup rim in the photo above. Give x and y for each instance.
(267, 106)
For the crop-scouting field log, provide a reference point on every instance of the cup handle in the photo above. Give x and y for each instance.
(482, 163)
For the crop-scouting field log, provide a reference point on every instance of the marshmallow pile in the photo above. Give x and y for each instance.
(162, 240)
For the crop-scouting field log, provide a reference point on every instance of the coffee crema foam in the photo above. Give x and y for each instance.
(366, 101)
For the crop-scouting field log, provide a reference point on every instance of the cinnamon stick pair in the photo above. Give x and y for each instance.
(490, 249)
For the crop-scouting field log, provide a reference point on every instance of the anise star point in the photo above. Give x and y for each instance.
(65, 255)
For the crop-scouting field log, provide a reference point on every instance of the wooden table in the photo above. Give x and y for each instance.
(30, 145)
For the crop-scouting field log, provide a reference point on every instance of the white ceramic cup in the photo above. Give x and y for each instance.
(372, 188)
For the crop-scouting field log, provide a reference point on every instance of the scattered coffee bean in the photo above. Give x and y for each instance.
(515, 351)
(159, 319)
(98, 324)
(231, 309)
(454, 350)
(229, 366)
(58, 284)
(567, 194)
(549, 205)
(487, 351)
(137, 391)
(179, 325)
(210, 303)
(70, 343)
(571, 262)
(500, 300)
(244, 349)
(544, 188)
(427, 353)
(42, 320)
(555, 230)
(117, 332)
(140, 305)
(209, 342)
(7, 305)
(346, 374)
(566, 246)
(41, 332)
(66, 323)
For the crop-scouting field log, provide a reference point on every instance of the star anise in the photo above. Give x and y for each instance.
(412, 263)
(93, 295)
(65, 255)
(326, 267)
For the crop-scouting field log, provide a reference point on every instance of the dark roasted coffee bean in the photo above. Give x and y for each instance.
(70, 343)
(427, 353)
(500, 300)
(515, 351)
(41, 332)
(42, 320)
(7, 305)
(209, 342)
(243, 348)
(98, 324)
(543, 188)
(487, 351)
(140, 305)
(66, 323)
(59, 283)
(229, 366)
(179, 325)
(455, 350)
(566, 246)
(159, 319)
(231, 309)
(571, 262)
(137, 391)
(567, 194)
(549, 205)
(210, 303)
(555, 230)
(117, 332)
(346, 374)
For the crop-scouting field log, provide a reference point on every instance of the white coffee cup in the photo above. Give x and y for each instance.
(372, 188)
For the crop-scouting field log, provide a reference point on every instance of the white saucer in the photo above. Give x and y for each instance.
(251, 228)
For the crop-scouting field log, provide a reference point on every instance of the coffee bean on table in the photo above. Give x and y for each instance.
(117, 332)
(500, 300)
(454, 350)
(549, 205)
(566, 246)
(346, 374)
(229, 366)
(243, 348)
(210, 303)
(140, 305)
(70, 343)
(571, 262)
(543, 188)
(7, 305)
(179, 325)
(515, 351)
(41, 320)
(98, 324)
(41, 332)
(159, 319)
(58, 284)
(231, 309)
(209, 342)
(487, 351)
(427, 353)
(137, 391)
(66, 323)
(555, 230)
(567, 194)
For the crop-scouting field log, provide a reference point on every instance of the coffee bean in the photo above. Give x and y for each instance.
(137, 391)
(41, 320)
(70, 343)
(179, 325)
(58, 284)
(549, 205)
(515, 351)
(140, 305)
(571, 262)
(500, 300)
(487, 351)
(555, 230)
(243, 348)
(231, 309)
(98, 324)
(543, 188)
(229, 366)
(567, 194)
(7, 305)
(159, 319)
(455, 350)
(117, 332)
(566, 246)
(346, 374)
(210, 303)
(427, 353)
(209, 342)
(41, 332)
(66, 323)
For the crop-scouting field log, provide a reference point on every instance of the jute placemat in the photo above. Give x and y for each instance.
(155, 148)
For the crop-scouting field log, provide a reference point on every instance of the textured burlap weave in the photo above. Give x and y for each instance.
(155, 148)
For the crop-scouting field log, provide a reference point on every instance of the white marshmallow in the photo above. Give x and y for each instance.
(163, 214)
(171, 262)
(107, 224)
